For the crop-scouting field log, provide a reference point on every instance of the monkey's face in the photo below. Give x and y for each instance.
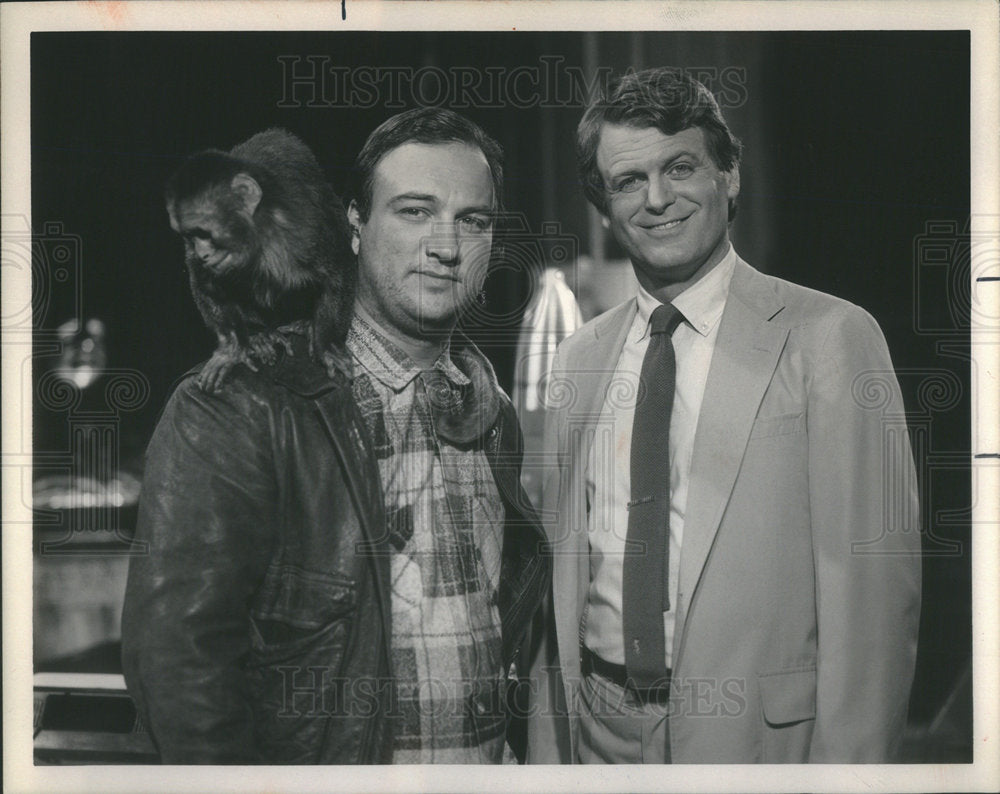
(214, 236)
(424, 249)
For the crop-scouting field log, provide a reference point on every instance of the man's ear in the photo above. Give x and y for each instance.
(733, 182)
(354, 219)
(249, 192)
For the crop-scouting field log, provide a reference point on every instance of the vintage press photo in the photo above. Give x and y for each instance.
(868, 172)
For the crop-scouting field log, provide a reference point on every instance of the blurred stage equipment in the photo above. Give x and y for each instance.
(552, 316)
(84, 353)
(84, 495)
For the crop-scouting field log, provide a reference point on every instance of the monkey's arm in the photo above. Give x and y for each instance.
(259, 348)
(227, 355)
(232, 324)
(208, 515)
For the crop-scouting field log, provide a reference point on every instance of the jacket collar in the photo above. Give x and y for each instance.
(756, 291)
(303, 375)
(480, 405)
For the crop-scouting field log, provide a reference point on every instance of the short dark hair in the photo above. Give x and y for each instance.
(422, 125)
(664, 98)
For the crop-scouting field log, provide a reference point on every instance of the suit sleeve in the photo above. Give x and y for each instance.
(207, 513)
(866, 540)
(548, 723)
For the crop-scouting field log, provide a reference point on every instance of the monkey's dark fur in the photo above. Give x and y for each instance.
(267, 244)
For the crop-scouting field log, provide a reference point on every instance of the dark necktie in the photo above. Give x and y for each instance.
(644, 578)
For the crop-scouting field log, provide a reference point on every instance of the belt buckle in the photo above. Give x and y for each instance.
(658, 694)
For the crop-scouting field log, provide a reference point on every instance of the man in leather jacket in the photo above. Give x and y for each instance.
(265, 623)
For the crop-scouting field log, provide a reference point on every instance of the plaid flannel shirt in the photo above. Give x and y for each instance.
(445, 521)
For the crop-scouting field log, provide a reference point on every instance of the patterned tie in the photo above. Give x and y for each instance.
(645, 596)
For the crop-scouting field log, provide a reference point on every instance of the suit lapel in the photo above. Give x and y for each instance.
(746, 353)
(596, 363)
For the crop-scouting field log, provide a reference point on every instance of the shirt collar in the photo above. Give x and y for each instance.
(701, 304)
(387, 362)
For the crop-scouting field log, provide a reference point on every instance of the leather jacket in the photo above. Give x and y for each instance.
(257, 623)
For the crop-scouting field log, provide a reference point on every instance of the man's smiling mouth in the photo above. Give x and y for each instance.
(659, 227)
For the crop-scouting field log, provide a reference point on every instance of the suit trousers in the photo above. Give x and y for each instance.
(618, 728)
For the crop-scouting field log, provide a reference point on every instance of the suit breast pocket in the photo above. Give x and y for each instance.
(780, 425)
(788, 714)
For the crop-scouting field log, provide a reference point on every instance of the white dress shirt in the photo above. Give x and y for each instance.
(608, 480)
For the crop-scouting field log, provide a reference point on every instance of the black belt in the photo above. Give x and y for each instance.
(618, 673)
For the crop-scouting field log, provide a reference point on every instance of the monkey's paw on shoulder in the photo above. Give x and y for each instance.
(213, 375)
(261, 348)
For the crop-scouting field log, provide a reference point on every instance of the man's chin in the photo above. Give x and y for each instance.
(442, 316)
(655, 277)
(433, 323)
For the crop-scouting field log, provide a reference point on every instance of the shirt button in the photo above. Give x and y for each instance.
(493, 432)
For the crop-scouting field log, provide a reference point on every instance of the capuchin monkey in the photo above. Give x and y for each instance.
(267, 248)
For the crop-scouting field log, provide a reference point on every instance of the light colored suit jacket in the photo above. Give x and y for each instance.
(799, 588)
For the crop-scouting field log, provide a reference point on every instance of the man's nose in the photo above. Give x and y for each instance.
(442, 243)
(659, 194)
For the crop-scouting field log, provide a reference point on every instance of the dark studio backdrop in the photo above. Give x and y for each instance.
(855, 181)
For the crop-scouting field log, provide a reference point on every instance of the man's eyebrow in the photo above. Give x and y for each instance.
(680, 154)
(430, 198)
(629, 171)
(414, 197)
(482, 209)
(636, 170)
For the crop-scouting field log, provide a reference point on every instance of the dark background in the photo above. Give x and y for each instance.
(854, 143)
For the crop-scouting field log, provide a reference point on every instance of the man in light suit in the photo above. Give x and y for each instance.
(776, 617)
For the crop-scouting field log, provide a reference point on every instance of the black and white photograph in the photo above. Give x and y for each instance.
(446, 385)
